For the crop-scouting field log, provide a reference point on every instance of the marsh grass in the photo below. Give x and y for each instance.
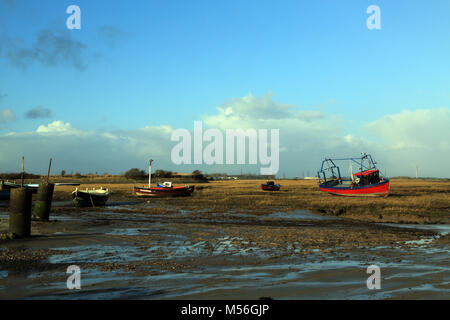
(409, 201)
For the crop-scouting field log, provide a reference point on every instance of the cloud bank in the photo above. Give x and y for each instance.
(75, 150)
(398, 142)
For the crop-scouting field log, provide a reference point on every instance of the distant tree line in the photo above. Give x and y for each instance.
(14, 176)
(136, 174)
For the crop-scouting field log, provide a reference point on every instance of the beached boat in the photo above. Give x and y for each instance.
(7, 186)
(162, 190)
(174, 191)
(270, 186)
(90, 198)
(369, 181)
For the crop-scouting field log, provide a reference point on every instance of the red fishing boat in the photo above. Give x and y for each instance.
(369, 181)
(270, 186)
(164, 190)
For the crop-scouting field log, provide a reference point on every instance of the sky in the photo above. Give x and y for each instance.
(107, 97)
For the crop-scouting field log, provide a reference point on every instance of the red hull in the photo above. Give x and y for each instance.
(164, 192)
(379, 189)
(266, 187)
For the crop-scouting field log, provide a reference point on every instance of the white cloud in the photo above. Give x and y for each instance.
(244, 112)
(411, 138)
(425, 129)
(59, 128)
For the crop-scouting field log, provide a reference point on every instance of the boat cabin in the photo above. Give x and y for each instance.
(167, 184)
(330, 173)
(367, 177)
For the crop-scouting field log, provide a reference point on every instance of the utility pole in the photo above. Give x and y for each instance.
(150, 173)
(417, 171)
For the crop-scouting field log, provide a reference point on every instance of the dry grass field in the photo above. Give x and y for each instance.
(409, 201)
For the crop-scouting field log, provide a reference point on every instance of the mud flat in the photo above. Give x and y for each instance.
(140, 250)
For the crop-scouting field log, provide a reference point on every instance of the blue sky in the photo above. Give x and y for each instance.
(168, 63)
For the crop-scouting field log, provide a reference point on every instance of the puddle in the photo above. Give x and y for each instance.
(299, 214)
(441, 229)
(97, 254)
(53, 217)
(125, 205)
(128, 231)
(290, 215)
(421, 242)
(95, 284)
(64, 219)
(68, 203)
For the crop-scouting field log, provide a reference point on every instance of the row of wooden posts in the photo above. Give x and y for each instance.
(20, 206)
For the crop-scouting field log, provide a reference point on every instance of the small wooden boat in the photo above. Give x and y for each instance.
(270, 186)
(90, 198)
(369, 181)
(162, 190)
(179, 191)
(7, 186)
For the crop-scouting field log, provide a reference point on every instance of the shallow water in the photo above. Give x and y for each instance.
(307, 278)
(442, 229)
(301, 215)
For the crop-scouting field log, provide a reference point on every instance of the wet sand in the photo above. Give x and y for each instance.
(136, 250)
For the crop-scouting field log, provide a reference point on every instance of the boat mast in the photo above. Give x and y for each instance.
(150, 173)
(23, 172)
(363, 155)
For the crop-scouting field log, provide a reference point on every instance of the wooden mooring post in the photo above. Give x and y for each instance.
(43, 203)
(20, 211)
